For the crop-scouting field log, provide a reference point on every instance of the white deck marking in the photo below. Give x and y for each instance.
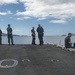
(25, 60)
(8, 66)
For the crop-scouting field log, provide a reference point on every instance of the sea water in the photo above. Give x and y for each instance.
(28, 40)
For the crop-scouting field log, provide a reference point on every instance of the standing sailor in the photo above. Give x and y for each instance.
(9, 34)
(40, 31)
(0, 37)
(33, 36)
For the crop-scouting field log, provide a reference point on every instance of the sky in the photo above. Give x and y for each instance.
(57, 17)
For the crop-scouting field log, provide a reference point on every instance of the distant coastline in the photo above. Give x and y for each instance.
(4, 34)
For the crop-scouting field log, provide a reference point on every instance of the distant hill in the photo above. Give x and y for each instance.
(73, 34)
(4, 34)
(64, 35)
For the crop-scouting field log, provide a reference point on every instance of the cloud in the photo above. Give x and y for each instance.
(23, 18)
(57, 21)
(8, 1)
(43, 9)
(41, 18)
(66, 1)
(5, 13)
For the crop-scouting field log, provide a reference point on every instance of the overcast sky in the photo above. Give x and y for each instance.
(57, 17)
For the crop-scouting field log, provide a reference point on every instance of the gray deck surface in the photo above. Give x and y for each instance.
(37, 60)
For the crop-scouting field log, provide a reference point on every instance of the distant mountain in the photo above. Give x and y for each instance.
(63, 35)
(4, 34)
(73, 34)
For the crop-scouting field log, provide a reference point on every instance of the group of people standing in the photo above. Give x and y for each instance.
(9, 35)
(40, 32)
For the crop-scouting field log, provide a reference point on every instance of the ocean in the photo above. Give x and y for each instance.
(28, 40)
